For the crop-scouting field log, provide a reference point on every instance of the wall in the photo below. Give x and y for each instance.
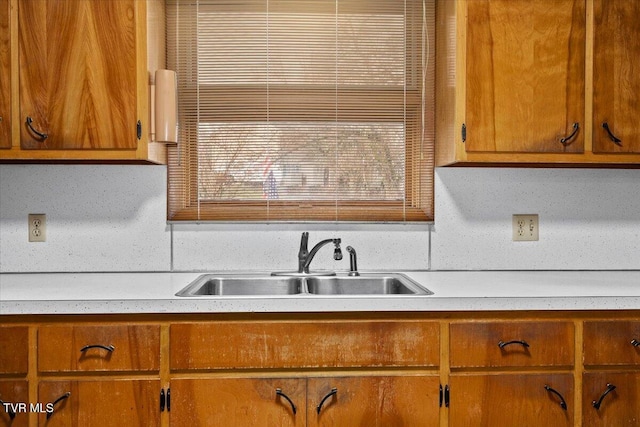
(112, 218)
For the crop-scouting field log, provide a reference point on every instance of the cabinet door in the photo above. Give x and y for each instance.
(511, 400)
(117, 403)
(78, 74)
(525, 65)
(373, 401)
(616, 76)
(237, 402)
(619, 407)
(5, 72)
(13, 392)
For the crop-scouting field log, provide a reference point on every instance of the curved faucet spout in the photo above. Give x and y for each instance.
(305, 257)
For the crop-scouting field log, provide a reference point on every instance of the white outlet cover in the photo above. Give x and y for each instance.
(525, 227)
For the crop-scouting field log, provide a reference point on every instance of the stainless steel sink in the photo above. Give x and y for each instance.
(390, 284)
(369, 284)
(221, 285)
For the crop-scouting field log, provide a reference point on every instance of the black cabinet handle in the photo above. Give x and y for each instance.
(567, 139)
(503, 344)
(610, 388)
(55, 402)
(333, 392)
(40, 135)
(563, 404)
(280, 393)
(7, 408)
(613, 138)
(635, 343)
(162, 400)
(108, 348)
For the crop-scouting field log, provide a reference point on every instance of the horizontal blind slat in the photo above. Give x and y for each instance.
(301, 109)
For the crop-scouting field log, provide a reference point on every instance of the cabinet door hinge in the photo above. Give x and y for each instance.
(464, 133)
(446, 396)
(139, 129)
(165, 400)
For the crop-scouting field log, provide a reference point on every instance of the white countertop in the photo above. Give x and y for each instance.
(98, 293)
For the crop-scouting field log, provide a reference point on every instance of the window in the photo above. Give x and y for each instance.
(302, 110)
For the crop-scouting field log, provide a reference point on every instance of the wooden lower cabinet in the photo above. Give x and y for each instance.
(511, 400)
(237, 402)
(332, 401)
(616, 407)
(103, 403)
(373, 401)
(13, 392)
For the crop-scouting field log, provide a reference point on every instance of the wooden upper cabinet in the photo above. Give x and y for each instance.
(616, 76)
(525, 68)
(5, 72)
(78, 85)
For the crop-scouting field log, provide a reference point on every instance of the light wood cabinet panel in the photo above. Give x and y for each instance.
(525, 75)
(78, 74)
(304, 344)
(237, 402)
(14, 350)
(117, 403)
(5, 72)
(514, 76)
(12, 391)
(620, 407)
(64, 348)
(612, 343)
(511, 400)
(511, 344)
(616, 76)
(374, 401)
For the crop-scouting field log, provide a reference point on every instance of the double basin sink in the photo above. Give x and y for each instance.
(366, 284)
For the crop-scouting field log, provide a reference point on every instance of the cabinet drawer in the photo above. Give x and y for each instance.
(14, 350)
(304, 344)
(99, 348)
(612, 343)
(511, 344)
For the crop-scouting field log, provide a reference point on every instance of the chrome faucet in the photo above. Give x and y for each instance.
(305, 256)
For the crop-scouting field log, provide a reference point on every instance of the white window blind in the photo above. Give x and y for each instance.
(302, 110)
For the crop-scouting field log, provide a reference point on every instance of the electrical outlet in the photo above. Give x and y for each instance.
(525, 228)
(37, 228)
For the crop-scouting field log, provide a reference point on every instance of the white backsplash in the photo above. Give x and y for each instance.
(112, 218)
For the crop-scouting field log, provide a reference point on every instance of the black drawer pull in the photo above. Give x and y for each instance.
(333, 392)
(610, 388)
(280, 393)
(635, 343)
(503, 344)
(613, 138)
(563, 404)
(567, 139)
(108, 348)
(55, 402)
(40, 135)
